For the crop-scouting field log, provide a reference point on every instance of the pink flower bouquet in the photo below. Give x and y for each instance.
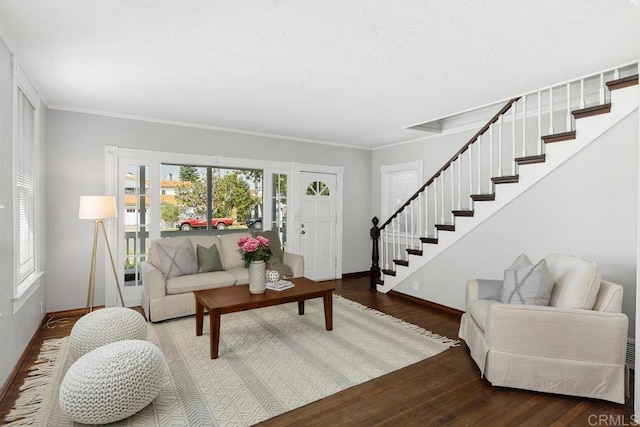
(254, 248)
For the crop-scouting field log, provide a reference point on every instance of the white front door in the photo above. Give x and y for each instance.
(318, 224)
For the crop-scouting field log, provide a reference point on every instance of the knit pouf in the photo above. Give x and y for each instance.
(112, 382)
(105, 326)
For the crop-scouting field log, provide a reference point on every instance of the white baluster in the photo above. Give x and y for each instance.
(479, 152)
(460, 182)
(601, 88)
(413, 224)
(419, 227)
(582, 104)
(391, 248)
(500, 145)
(568, 124)
(550, 111)
(392, 244)
(385, 249)
(524, 126)
(409, 232)
(426, 212)
(435, 201)
(513, 136)
(452, 191)
(616, 74)
(442, 204)
(382, 247)
(406, 233)
(397, 238)
(389, 245)
(539, 122)
(490, 152)
(470, 170)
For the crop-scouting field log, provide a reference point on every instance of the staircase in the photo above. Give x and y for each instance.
(528, 138)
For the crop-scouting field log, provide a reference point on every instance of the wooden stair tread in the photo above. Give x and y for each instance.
(446, 227)
(401, 262)
(414, 252)
(558, 137)
(592, 111)
(430, 240)
(389, 272)
(529, 160)
(623, 82)
(483, 197)
(505, 179)
(462, 213)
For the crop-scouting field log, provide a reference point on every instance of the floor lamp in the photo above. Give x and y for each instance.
(99, 208)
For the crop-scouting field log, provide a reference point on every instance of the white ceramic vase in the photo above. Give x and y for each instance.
(257, 277)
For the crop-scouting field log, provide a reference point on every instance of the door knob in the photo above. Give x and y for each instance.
(302, 232)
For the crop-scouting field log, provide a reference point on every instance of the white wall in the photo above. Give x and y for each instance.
(587, 207)
(76, 166)
(16, 329)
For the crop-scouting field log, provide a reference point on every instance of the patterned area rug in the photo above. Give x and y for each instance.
(271, 361)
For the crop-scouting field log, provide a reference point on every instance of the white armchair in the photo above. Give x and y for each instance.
(575, 346)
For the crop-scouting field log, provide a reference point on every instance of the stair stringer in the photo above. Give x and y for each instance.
(623, 102)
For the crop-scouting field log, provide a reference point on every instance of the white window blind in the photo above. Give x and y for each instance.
(26, 179)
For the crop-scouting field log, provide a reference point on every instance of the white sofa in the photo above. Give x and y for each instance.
(169, 298)
(574, 346)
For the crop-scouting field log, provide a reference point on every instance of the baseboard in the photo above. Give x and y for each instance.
(75, 312)
(23, 358)
(430, 304)
(356, 275)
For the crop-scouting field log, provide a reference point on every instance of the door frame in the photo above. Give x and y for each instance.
(338, 171)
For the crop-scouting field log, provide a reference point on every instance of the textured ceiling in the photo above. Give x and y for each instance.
(348, 72)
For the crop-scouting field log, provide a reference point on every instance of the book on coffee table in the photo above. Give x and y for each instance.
(280, 285)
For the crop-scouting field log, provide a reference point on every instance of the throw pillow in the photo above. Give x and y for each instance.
(490, 289)
(208, 259)
(274, 242)
(177, 260)
(525, 283)
(283, 269)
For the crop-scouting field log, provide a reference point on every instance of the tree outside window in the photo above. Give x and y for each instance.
(235, 194)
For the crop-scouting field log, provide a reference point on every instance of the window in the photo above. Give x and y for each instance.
(228, 197)
(318, 188)
(26, 142)
(136, 221)
(279, 206)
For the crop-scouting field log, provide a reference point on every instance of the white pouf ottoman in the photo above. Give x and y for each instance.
(105, 326)
(112, 382)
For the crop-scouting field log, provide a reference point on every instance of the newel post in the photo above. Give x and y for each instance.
(375, 255)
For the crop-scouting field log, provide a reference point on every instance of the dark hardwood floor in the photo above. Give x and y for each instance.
(443, 390)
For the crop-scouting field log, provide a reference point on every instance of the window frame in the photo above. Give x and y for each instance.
(21, 86)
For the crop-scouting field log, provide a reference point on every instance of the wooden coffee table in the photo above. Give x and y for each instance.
(238, 298)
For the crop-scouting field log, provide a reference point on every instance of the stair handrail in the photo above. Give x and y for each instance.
(464, 148)
(375, 231)
(374, 273)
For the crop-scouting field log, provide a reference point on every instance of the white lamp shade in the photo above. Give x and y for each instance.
(97, 207)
